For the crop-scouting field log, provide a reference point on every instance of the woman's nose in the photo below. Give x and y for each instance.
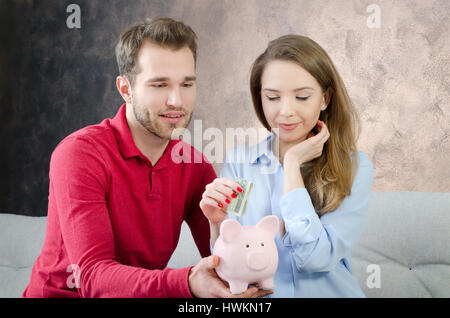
(287, 108)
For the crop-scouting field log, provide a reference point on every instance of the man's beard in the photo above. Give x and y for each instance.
(155, 125)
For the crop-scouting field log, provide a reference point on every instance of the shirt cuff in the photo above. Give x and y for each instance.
(177, 283)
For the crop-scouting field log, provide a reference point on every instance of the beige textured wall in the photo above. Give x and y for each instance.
(397, 75)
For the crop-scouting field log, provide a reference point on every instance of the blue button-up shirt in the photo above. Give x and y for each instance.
(315, 253)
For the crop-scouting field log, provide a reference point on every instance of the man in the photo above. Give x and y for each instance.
(117, 199)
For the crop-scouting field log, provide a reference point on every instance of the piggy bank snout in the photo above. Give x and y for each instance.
(257, 261)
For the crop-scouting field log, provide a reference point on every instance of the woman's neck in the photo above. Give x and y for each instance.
(283, 147)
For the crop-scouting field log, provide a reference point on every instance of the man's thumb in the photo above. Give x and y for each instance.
(213, 261)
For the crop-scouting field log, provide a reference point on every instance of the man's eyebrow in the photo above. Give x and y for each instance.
(157, 79)
(190, 78)
(295, 90)
(167, 79)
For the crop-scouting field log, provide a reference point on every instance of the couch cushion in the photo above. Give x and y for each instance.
(405, 248)
(406, 244)
(21, 240)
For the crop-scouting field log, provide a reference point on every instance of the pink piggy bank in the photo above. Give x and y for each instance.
(248, 254)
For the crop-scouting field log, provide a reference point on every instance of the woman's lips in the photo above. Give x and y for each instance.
(288, 126)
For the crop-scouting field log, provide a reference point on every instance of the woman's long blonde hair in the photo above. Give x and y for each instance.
(328, 178)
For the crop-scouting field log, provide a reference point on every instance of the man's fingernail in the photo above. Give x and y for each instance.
(227, 201)
(239, 189)
(220, 205)
(234, 195)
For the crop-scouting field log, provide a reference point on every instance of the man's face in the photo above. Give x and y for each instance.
(164, 90)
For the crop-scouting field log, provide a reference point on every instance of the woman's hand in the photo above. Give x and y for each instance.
(308, 149)
(218, 194)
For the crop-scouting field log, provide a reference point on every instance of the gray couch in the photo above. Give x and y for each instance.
(404, 250)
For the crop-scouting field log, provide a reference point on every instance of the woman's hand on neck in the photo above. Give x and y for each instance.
(284, 153)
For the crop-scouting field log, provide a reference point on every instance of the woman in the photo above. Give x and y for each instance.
(318, 187)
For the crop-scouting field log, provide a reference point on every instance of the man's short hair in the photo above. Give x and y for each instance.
(165, 32)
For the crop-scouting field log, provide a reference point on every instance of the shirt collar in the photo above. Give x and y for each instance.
(261, 152)
(125, 141)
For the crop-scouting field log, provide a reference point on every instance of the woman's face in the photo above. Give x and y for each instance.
(291, 100)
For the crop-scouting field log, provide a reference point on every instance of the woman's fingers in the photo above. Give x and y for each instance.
(226, 191)
(223, 190)
(214, 213)
(212, 202)
(221, 200)
(323, 134)
(216, 198)
(233, 185)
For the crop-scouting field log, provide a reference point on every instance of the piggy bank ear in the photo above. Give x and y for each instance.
(270, 224)
(230, 229)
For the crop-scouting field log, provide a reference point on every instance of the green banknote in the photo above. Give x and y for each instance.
(238, 206)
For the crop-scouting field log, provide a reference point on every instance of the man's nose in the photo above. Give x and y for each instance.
(174, 98)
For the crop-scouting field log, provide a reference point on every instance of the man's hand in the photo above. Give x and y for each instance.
(204, 282)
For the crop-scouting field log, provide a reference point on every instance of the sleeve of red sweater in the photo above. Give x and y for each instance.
(79, 178)
(198, 223)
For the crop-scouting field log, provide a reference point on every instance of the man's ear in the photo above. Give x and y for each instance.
(124, 88)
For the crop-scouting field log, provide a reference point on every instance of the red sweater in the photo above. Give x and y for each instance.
(114, 219)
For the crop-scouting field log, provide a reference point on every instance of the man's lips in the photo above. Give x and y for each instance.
(172, 114)
(172, 117)
(288, 126)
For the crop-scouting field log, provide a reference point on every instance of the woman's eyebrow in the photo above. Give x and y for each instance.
(270, 90)
(295, 90)
(302, 88)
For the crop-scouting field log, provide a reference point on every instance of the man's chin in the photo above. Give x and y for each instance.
(177, 130)
(173, 132)
(177, 133)
(167, 131)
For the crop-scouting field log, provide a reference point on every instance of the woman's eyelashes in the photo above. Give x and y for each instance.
(274, 98)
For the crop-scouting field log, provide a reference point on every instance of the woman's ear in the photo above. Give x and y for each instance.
(326, 98)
